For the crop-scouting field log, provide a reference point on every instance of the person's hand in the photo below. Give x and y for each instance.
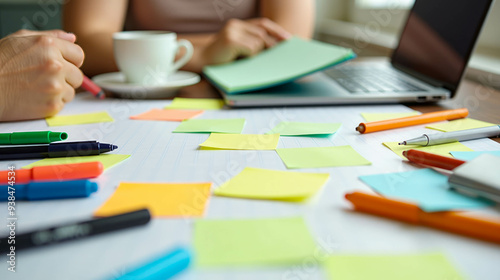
(39, 71)
(241, 38)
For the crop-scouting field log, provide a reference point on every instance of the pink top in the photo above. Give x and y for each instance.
(187, 16)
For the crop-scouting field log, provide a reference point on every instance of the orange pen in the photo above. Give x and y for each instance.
(59, 172)
(412, 120)
(432, 160)
(482, 228)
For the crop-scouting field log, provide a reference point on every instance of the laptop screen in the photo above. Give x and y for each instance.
(438, 39)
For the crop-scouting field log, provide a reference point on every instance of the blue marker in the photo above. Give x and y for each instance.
(48, 190)
(162, 268)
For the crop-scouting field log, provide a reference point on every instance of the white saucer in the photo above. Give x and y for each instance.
(115, 82)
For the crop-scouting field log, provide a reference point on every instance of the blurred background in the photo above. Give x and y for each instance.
(369, 27)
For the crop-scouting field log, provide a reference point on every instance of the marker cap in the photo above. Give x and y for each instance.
(32, 137)
(50, 190)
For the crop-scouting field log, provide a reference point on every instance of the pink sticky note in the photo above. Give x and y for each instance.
(167, 115)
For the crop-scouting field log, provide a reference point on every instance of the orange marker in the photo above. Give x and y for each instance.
(432, 160)
(412, 120)
(59, 172)
(456, 222)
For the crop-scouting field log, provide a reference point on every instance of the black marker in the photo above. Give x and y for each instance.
(63, 149)
(68, 232)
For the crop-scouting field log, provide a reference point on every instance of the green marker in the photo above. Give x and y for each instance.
(32, 137)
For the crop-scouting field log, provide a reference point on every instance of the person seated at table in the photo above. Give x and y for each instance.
(220, 31)
(39, 71)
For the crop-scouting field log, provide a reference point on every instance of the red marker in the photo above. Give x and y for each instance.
(88, 85)
(433, 160)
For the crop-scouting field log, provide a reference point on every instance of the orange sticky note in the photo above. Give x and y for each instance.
(162, 199)
(167, 115)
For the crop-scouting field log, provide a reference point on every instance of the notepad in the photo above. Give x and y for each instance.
(107, 160)
(246, 242)
(441, 149)
(428, 266)
(305, 128)
(472, 155)
(285, 62)
(321, 157)
(209, 126)
(162, 199)
(425, 187)
(167, 115)
(97, 117)
(460, 124)
(260, 183)
(196, 103)
(241, 142)
(372, 117)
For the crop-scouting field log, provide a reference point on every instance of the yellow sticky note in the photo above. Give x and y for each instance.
(372, 117)
(167, 115)
(321, 157)
(107, 160)
(241, 141)
(429, 266)
(246, 242)
(271, 184)
(442, 149)
(162, 199)
(460, 124)
(196, 103)
(97, 117)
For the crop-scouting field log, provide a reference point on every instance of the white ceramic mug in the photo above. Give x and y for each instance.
(147, 57)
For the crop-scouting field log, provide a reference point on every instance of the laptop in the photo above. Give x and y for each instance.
(427, 66)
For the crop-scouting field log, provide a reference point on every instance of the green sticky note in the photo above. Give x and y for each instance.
(321, 157)
(460, 124)
(272, 184)
(97, 117)
(241, 142)
(305, 128)
(441, 149)
(372, 117)
(196, 103)
(246, 242)
(287, 61)
(430, 266)
(107, 160)
(207, 126)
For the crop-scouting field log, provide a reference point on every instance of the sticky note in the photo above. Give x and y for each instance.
(288, 60)
(460, 124)
(167, 115)
(472, 155)
(213, 125)
(241, 141)
(428, 266)
(372, 117)
(321, 157)
(272, 184)
(162, 199)
(425, 187)
(441, 149)
(246, 242)
(107, 160)
(196, 103)
(97, 117)
(305, 128)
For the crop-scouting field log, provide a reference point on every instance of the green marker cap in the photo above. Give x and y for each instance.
(32, 137)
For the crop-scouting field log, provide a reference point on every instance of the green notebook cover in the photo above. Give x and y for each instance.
(287, 61)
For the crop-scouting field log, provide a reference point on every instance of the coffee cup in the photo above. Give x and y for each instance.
(148, 57)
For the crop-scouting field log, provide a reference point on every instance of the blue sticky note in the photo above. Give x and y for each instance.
(472, 155)
(425, 187)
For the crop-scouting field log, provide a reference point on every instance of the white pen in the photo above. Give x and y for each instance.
(448, 137)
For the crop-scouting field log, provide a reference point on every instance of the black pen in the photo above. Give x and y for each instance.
(62, 149)
(73, 231)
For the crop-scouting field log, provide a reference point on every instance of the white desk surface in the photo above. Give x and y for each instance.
(161, 156)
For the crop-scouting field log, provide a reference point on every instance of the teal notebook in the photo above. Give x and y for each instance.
(287, 61)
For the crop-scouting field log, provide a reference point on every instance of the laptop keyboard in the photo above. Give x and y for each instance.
(370, 80)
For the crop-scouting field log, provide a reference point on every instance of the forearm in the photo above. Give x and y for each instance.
(200, 42)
